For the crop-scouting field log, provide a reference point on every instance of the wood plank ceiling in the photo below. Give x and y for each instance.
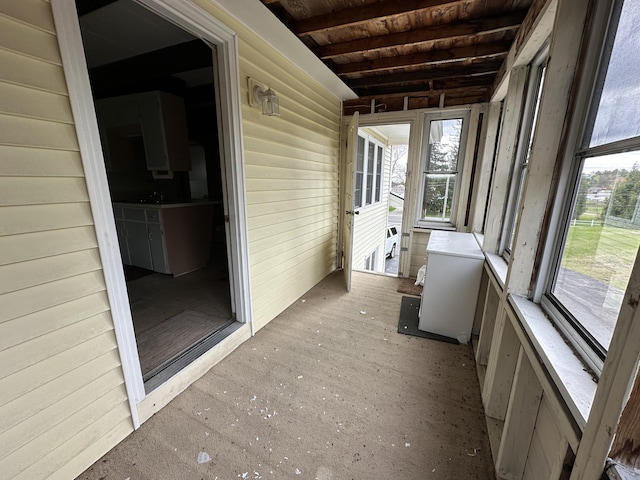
(407, 54)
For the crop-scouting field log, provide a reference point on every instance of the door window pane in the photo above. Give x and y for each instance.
(379, 159)
(357, 190)
(370, 164)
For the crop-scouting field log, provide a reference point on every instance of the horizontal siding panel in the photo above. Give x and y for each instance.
(31, 72)
(22, 460)
(37, 218)
(278, 217)
(31, 12)
(30, 246)
(36, 162)
(19, 435)
(29, 353)
(259, 131)
(29, 41)
(79, 452)
(268, 184)
(30, 132)
(291, 120)
(34, 299)
(18, 276)
(256, 247)
(301, 223)
(35, 376)
(289, 263)
(28, 102)
(22, 329)
(42, 190)
(306, 131)
(275, 256)
(265, 152)
(37, 400)
(257, 209)
(269, 302)
(271, 172)
(256, 198)
(83, 450)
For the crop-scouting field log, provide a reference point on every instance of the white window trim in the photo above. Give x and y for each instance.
(369, 139)
(202, 25)
(465, 114)
(525, 137)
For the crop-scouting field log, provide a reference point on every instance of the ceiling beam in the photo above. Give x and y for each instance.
(179, 58)
(455, 30)
(480, 81)
(362, 14)
(426, 75)
(433, 57)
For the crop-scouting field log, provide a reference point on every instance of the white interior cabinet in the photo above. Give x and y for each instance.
(157, 120)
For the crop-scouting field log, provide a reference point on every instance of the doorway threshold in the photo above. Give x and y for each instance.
(172, 366)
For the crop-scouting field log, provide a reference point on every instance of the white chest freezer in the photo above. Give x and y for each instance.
(452, 280)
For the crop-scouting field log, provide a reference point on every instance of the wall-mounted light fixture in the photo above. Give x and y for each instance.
(265, 98)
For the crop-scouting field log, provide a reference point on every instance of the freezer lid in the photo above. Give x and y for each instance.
(457, 244)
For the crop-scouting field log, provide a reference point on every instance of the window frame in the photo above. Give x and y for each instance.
(465, 115)
(587, 101)
(370, 143)
(526, 135)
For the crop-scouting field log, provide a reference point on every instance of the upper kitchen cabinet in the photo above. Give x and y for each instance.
(150, 124)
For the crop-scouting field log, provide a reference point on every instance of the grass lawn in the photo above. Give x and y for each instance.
(604, 253)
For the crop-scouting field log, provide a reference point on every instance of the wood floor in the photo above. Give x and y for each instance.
(327, 390)
(172, 313)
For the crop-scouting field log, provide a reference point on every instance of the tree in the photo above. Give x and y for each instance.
(398, 168)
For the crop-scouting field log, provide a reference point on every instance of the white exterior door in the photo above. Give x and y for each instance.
(347, 237)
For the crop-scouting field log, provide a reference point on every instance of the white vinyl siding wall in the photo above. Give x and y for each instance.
(291, 168)
(369, 226)
(62, 397)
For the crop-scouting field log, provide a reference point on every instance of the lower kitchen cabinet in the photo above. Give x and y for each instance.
(172, 239)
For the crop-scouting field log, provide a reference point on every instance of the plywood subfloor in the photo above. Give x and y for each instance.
(327, 390)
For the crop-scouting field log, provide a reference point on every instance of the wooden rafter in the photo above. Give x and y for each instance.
(363, 14)
(495, 49)
(423, 76)
(481, 82)
(430, 34)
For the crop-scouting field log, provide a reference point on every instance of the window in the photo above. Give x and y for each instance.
(597, 246)
(530, 115)
(370, 261)
(445, 138)
(369, 171)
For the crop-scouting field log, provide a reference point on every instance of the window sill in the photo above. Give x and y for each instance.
(568, 373)
(619, 472)
(427, 228)
(498, 266)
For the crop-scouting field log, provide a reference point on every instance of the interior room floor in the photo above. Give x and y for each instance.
(327, 390)
(172, 313)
